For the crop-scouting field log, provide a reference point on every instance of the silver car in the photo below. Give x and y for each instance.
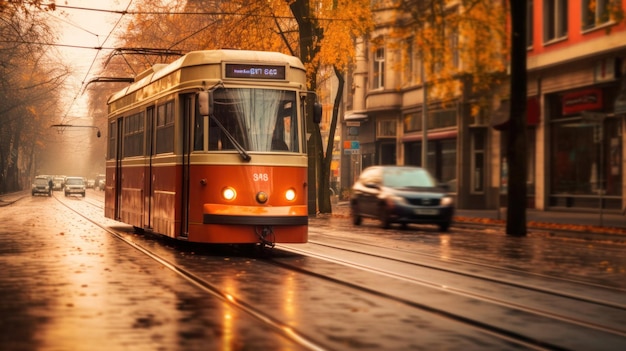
(41, 186)
(401, 194)
(75, 186)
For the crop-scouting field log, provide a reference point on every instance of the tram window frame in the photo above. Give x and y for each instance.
(134, 126)
(165, 128)
(112, 147)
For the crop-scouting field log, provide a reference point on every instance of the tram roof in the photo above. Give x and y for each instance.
(203, 57)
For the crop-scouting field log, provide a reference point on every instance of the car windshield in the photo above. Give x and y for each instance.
(403, 178)
(74, 181)
(40, 181)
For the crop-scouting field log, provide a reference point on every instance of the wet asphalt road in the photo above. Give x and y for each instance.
(68, 285)
(72, 286)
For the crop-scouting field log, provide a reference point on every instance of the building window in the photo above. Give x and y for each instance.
(554, 19)
(478, 161)
(529, 23)
(412, 122)
(378, 80)
(595, 13)
(386, 128)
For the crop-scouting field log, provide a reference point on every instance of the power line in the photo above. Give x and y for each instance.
(195, 13)
(98, 50)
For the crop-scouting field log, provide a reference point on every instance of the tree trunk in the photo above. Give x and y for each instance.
(308, 31)
(324, 193)
(516, 146)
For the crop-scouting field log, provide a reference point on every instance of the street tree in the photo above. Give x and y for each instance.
(29, 83)
(321, 34)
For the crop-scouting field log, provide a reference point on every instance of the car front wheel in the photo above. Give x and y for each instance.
(384, 217)
(444, 226)
(356, 217)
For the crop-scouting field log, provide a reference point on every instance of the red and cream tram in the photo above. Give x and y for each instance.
(212, 148)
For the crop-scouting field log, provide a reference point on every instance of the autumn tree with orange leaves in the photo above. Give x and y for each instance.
(321, 33)
(29, 83)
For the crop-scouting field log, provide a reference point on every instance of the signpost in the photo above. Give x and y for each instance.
(597, 120)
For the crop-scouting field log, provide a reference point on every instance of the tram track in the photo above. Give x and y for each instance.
(211, 289)
(342, 269)
(563, 321)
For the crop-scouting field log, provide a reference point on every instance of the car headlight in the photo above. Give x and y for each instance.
(396, 200)
(446, 201)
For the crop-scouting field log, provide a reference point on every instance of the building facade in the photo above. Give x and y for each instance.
(575, 114)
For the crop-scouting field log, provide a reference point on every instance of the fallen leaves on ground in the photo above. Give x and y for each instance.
(544, 225)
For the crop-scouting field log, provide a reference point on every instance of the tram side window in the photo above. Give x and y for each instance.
(133, 135)
(285, 135)
(165, 128)
(112, 141)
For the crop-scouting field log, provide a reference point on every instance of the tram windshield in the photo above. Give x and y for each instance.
(256, 119)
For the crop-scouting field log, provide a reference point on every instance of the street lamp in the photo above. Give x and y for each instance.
(63, 126)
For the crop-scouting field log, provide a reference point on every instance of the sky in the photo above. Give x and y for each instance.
(83, 30)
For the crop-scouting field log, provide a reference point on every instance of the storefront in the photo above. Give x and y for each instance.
(442, 143)
(500, 122)
(585, 149)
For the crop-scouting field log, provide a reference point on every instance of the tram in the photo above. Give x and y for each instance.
(212, 148)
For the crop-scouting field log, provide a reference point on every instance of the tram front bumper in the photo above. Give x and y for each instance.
(255, 215)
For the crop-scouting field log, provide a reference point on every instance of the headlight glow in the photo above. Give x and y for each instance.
(446, 201)
(229, 193)
(290, 195)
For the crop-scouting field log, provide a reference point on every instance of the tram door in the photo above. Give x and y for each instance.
(117, 191)
(188, 103)
(148, 176)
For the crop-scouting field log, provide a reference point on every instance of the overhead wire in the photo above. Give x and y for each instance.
(98, 50)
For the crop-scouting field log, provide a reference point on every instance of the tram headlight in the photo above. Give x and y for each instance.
(290, 195)
(229, 193)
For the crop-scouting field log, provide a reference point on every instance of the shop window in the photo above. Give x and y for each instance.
(586, 159)
(478, 161)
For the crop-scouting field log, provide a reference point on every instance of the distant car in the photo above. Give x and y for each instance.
(40, 187)
(74, 186)
(91, 183)
(401, 194)
(100, 182)
(58, 183)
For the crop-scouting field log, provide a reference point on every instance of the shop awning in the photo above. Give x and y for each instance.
(445, 134)
(500, 118)
(354, 116)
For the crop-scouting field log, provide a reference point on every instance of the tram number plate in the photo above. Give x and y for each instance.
(428, 212)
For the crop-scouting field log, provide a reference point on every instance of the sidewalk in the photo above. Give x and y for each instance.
(592, 219)
(609, 219)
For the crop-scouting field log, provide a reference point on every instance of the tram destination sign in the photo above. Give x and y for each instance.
(252, 71)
